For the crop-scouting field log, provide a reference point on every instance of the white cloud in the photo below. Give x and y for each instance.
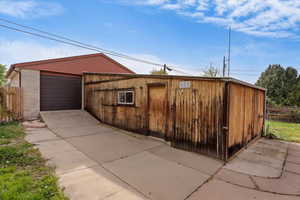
(155, 2)
(272, 18)
(29, 8)
(17, 51)
(171, 6)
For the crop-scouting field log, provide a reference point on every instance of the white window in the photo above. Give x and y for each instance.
(126, 97)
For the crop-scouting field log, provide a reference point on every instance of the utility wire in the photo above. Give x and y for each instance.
(58, 36)
(98, 49)
(245, 75)
(80, 44)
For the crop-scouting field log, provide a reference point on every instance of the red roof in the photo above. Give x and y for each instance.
(99, 63)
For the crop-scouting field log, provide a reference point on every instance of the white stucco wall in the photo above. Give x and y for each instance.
(14, 79)
(30, 83)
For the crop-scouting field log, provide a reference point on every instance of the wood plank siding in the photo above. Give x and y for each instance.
(11, 104)
(246, 115)
(191, 113)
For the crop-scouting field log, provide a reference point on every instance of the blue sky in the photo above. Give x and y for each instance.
(189, 34)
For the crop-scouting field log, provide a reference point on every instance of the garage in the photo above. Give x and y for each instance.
(55, 84)
(60, 92)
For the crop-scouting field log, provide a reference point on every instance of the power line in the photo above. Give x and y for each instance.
(252, 75)
(58, 36)
(113, 53)
(247, 72)
(249, 67)
(76, 43)
(80, 44)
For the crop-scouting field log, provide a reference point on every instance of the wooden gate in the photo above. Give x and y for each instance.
(157, 109)
(198, 123)
(11, 105)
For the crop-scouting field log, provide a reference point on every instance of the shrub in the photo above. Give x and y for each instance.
(295, 116)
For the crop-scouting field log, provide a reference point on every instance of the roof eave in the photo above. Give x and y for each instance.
(227, 79)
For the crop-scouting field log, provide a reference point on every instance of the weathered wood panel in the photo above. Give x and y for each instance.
(199, 118)
(157, 110)
(11, 105)
(246, 115)
(193, 118)
(211, 116)
(101, 100)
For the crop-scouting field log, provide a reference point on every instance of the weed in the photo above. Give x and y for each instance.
(23, 174)
(10, 132)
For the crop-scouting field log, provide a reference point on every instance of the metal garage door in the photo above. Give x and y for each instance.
(60, 92)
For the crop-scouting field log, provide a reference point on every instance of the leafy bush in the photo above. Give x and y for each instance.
(295, 115)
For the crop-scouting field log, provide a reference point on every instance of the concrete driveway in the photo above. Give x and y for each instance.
(95, 161)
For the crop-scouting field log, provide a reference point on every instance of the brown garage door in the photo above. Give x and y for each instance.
(60, 92)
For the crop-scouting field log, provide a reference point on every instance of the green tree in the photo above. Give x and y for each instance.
(281, 84)
(294, 95)
(159, 72)
(211, 72)
(2, 74)
(291, 85)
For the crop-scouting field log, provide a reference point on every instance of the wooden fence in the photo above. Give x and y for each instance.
(285, 114)
(11, 105)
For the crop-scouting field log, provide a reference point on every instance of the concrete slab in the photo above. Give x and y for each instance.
(265, 148)
(198, 162)
(125, 194)
(81, 131)
(219, 190)
(278, 143)
(293, 159)
(52, 148)
(107, 147)
(65, 119)
(156, 177)
(96, 183)
(29, 131)
(67, 161)
(251, 168)
(294, 146)
(40, 135)
(294, 152)
(288, 184)
(292, 167)
(33, 124)
(133, 163)
(235, 178)
(264, 158)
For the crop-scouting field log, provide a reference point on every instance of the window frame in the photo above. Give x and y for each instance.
(125, 92)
